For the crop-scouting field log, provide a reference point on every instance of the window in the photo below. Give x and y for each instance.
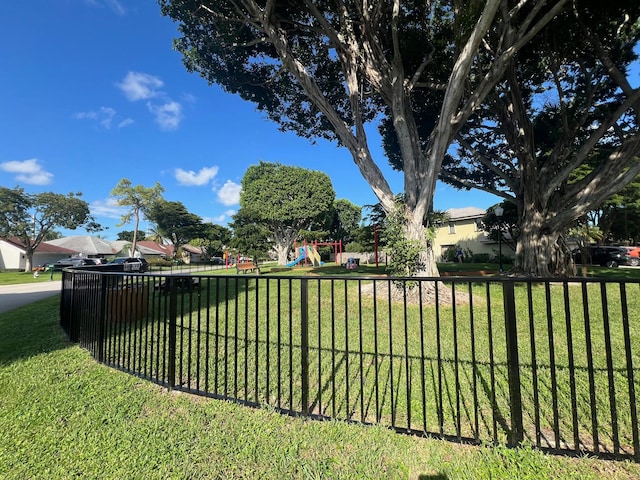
(452, 228)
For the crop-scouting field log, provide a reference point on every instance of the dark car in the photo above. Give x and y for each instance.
(604, 255)
(73, 262)
(217, 261)
(130, 264)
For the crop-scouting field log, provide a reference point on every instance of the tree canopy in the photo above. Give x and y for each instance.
(139, 199)
(327, 69)
(284, 201)
(32, 217)
(560, 134)
(175, 222)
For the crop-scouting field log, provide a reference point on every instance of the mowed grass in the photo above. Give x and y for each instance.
(63, 415)
(376, 362)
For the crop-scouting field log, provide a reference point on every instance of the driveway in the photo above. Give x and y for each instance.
(14, 296)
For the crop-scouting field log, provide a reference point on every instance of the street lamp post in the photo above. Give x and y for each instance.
(499, 211)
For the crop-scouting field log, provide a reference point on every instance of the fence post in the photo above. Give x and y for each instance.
(173, 313)
(516, 435)
(304, 344)
(102, 326)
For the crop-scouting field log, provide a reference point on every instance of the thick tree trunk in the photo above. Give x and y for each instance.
(541, 251)
(282, 252)
(427, 266)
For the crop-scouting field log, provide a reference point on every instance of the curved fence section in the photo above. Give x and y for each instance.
(554, 364)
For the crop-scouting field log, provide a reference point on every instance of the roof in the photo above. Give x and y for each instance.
(154, 248)
(465, 213)
(44, 247)
(192, 249)
(86, 244)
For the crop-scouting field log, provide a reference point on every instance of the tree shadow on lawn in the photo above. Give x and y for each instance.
(31, 330)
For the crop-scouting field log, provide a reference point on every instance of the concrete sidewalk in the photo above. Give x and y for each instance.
(14, 296)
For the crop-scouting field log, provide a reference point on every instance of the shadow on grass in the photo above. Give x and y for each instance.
(31, 330)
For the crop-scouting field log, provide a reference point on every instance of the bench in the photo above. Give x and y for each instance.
(245, 267)
(188, 283)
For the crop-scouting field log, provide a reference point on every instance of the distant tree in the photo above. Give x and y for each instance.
(619, 217)
(32, 217)
(127, 235)
(329, 69)
(155, 235)
(509, 223)
(284, 201)
(346, 220)
(175, 222)
(250, 237)
(139, 199)
(214, 240)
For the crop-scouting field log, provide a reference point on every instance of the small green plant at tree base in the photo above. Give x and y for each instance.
(404, 253)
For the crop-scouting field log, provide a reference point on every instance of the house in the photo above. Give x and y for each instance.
(88, 246)
(150, 249)
(13, 255)
(191, 254)
(144, 248)
(463, 229)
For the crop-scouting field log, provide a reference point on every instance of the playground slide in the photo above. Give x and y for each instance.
(314, 256)
(296, 261)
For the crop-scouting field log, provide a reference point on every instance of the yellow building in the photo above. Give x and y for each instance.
(463, 230)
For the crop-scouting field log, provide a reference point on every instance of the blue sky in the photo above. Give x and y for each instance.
(91, 92)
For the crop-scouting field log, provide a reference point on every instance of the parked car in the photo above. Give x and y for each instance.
(634, 253)
(130, 264)
(217, 261)
(606, 256)
(73, 262)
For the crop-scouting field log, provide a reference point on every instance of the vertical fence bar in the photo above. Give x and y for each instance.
(304, 345)
(516, 435)
(572, 369)
(534, 366)
(102, 340)
(552, 366)
(630, 378)
(592, 382)
(610, 372)
(173, 314)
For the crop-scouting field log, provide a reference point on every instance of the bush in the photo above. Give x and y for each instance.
(481, 258)
(354, 247)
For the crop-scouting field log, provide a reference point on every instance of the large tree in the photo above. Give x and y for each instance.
(328, 68)
(32, 217)
(139, 199)
(561, 133)
(175, 222)
(285, 201)
(213, 240)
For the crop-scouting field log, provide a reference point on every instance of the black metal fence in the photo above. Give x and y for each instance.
(549, 363)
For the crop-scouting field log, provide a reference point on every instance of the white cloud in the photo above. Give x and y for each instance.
(191, 178)
(140, 86)
(114, 5)
(107, 208)
(28, 171)
(125, 123)
(104, 116)
(229, 194)
(219, 219)
(168, 115)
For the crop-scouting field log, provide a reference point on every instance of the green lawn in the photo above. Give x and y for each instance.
(63, 415)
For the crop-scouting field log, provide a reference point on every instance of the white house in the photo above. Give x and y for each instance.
(13, 255)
